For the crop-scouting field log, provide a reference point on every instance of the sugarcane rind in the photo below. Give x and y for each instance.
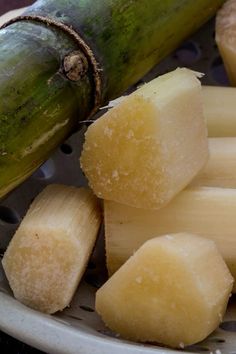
(84, 49)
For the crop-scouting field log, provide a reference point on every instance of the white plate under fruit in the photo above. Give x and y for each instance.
(78, 329)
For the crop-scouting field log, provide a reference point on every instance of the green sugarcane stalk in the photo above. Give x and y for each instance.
(49, 81)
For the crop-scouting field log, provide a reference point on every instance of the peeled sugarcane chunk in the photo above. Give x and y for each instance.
(205, 211)
(220, 170)
(219, 105)
(150, 146)
(47, 256)
(174, 291)
(226, 37)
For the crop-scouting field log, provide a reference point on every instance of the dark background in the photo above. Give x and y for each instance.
(10, 345)
(7, 5)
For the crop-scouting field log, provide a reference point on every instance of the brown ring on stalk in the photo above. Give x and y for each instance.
(87, 51)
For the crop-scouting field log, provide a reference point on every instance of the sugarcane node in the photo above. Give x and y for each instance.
(75, 66)
(84, 51)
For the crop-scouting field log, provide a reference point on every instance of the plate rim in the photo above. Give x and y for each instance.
(50, 335)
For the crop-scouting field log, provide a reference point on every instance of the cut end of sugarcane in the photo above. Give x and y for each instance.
(118, 100)
(149, 146)
(226, 37)
(174, 291)
(48, 254)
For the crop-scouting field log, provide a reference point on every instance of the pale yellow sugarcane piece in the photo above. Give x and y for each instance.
(219, 105)
(220, 170)
(49, 252)
(151, 145)
(208, 212)
(173, 291)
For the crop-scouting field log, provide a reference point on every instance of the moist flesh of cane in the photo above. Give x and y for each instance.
(48, 254)
(174, 291)
(150, 146)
